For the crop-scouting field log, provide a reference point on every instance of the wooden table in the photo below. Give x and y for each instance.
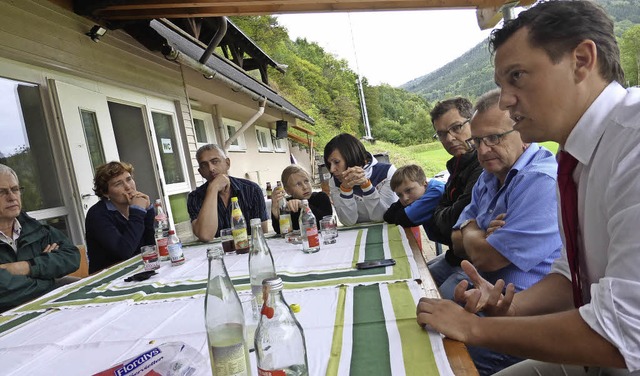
(457, 353)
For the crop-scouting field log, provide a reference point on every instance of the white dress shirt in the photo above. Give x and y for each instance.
(606, 143)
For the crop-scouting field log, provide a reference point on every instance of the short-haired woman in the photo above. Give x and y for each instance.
(360, 188)
(121, 222)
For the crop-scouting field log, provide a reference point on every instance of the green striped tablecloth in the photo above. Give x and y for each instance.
(334, 265)
(350, 330)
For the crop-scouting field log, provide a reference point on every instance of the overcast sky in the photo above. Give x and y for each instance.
(392, 47)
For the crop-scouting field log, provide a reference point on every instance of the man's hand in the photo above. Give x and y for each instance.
(50, 247)
(446, 317)
(219, 184)
(17, 268)
(495, 224)
(484, 296)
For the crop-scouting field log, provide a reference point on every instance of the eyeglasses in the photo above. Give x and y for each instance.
(453, 130)
(490, 140)
(4, 192)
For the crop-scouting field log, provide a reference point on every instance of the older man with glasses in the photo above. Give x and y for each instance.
(509, 231)
(34, 258)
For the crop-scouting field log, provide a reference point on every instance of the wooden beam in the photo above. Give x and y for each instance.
(300, 140)
(302, 129)
(147, 9)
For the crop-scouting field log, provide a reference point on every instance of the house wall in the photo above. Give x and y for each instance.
(42, 40)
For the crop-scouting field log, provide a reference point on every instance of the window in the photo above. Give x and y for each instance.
(168, 148)
(26, 148)
(92, 136)
(279, 145)
(231, 127)
(203, 128)
(264, 139)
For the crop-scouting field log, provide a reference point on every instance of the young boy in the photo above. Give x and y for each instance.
(418, 197)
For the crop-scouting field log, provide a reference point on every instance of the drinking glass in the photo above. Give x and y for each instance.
(150, 257)
(226, 235)
(329, 229)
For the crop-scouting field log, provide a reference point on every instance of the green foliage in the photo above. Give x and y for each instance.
(630, 54)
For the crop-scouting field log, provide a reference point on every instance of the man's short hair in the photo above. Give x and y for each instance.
(487, 101)
(290, 170)
(4, 169)
(351, 148)
(106, 172)
(559, 26)
(409, 172)
(208, 147)
(463, 105)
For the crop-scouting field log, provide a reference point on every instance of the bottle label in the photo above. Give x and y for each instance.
(162, 246)
(285, 223)
(240, 238)
(312, 236)
(275, 372)
(229, 360)
(236, 214)
(175, 252)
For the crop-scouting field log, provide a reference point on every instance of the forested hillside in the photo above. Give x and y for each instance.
(325, 88)
(472, 73)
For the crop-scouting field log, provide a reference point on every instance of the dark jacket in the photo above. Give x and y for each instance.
(320, 205)
(45, 267)
(112, 238)
(463, 173)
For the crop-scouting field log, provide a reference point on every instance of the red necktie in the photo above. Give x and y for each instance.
(569, 208)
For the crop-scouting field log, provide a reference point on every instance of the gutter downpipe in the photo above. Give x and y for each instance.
(172, 54)
(246, 125)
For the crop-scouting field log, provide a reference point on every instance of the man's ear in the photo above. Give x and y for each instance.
(585, 58)
(228, 163)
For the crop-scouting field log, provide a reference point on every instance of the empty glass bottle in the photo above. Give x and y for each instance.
(224, 320)
(280, 344)
(260, 264)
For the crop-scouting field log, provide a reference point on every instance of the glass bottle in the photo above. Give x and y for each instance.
(284, 220)
(261, 267)
(269, 190)
(174, 245)
(308, 229)
(161, 229)
(239, 228)
(224, 321)
(280, 345)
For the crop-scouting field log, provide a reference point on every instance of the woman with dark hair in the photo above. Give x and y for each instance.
(360, 187)
(121, 222)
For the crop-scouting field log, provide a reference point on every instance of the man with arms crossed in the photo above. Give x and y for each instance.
(34, 258)
(209, 205)
(559, 68)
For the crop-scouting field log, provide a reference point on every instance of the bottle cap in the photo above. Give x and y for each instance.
(274, 283)
(295, 307)
(215, 253)
(255, 221)
(234, 199)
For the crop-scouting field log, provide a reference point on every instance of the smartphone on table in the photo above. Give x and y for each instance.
(375, 263)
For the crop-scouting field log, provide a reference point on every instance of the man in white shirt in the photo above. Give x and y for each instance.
(558, 65)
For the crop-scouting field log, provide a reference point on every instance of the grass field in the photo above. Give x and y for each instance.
(431, 157)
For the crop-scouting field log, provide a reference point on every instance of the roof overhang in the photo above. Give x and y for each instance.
(147, 9)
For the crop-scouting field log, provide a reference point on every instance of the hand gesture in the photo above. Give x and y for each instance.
(353, 176)
(446, 317)
(294, 205)
(139, 199)
(484, 296)
(496, 223)
(220, 183)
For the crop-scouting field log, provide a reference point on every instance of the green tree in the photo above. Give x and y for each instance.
(630, 55)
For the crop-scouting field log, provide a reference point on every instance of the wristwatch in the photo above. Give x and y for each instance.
(465, 223)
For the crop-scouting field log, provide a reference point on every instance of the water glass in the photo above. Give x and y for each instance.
(226, 235)
(150, 257)
(329, 229)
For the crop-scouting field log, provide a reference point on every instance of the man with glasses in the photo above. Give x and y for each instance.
(451, 121)
(509, 231)
(34, 258)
